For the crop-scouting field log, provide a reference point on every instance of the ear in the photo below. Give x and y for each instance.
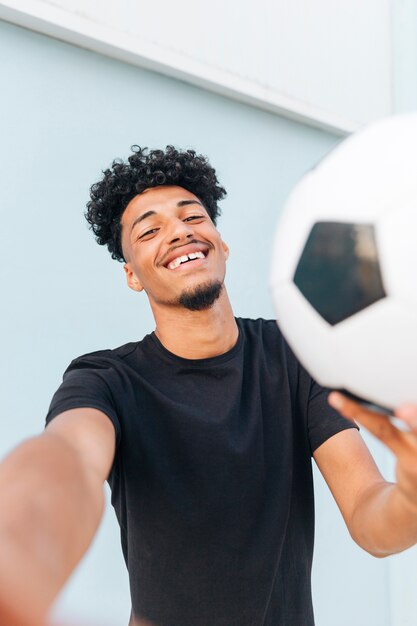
(132, 280)
(225, 249)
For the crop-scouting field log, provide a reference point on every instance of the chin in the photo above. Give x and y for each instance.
(202, 296)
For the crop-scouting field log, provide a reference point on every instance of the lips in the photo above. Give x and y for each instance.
(185, 259)
(186, 254)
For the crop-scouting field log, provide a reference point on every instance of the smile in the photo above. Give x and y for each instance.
(185, 258)
(193, 254)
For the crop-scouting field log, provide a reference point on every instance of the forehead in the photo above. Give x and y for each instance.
(158, 199)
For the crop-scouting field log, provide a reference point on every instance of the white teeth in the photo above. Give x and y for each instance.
(182, 259)
(174, 263)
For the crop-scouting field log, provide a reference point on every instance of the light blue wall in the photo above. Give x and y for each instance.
(404, 51)
(65, 114)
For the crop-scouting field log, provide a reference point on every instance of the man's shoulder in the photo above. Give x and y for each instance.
(260, 326)
(267, 333)
(105, 356)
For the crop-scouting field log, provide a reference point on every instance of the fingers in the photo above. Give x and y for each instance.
(378, 424)
(408, 414)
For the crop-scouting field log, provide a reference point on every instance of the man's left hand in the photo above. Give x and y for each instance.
(401, 442)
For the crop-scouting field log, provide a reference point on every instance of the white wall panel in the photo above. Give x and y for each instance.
(404, 29)
(326, 63)
(333, 55)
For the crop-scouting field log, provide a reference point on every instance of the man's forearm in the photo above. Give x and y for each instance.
(51, 506)
(384, 522)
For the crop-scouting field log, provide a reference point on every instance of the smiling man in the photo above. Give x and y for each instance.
(190, 270)
(204, 428)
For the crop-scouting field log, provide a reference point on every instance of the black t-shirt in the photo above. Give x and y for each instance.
(212, 480)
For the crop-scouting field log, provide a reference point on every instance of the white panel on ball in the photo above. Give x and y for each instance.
(316, 348)
(344, 184)
(396, 235)
(372, 171)
(381, 367)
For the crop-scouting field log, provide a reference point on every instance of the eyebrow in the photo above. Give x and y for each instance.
(147, 214)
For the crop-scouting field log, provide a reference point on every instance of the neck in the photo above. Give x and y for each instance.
(197, 334)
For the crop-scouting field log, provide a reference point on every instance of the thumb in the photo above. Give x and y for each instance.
(408, 414)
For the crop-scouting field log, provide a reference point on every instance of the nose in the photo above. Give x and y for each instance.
(180, 231)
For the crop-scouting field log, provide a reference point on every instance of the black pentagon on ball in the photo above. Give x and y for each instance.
(338, 271)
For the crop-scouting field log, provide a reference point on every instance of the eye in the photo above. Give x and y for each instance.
(194, 217)
(148, 233)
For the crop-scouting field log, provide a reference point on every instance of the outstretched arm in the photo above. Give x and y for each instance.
(52, 500)
(380, 516)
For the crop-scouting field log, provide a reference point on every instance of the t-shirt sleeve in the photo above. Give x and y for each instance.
(323, 421)
(87, 383)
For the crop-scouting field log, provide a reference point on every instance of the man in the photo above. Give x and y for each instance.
(204, 429)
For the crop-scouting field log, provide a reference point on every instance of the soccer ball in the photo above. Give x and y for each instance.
(344, 269)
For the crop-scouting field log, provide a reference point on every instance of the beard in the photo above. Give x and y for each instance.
(202, 297)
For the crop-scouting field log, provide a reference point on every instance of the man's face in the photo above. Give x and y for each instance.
(170, 244)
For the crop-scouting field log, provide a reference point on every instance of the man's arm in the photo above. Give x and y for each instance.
(380, 516)
(52, 500)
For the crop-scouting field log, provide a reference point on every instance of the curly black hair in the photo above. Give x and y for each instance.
(143, 169)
